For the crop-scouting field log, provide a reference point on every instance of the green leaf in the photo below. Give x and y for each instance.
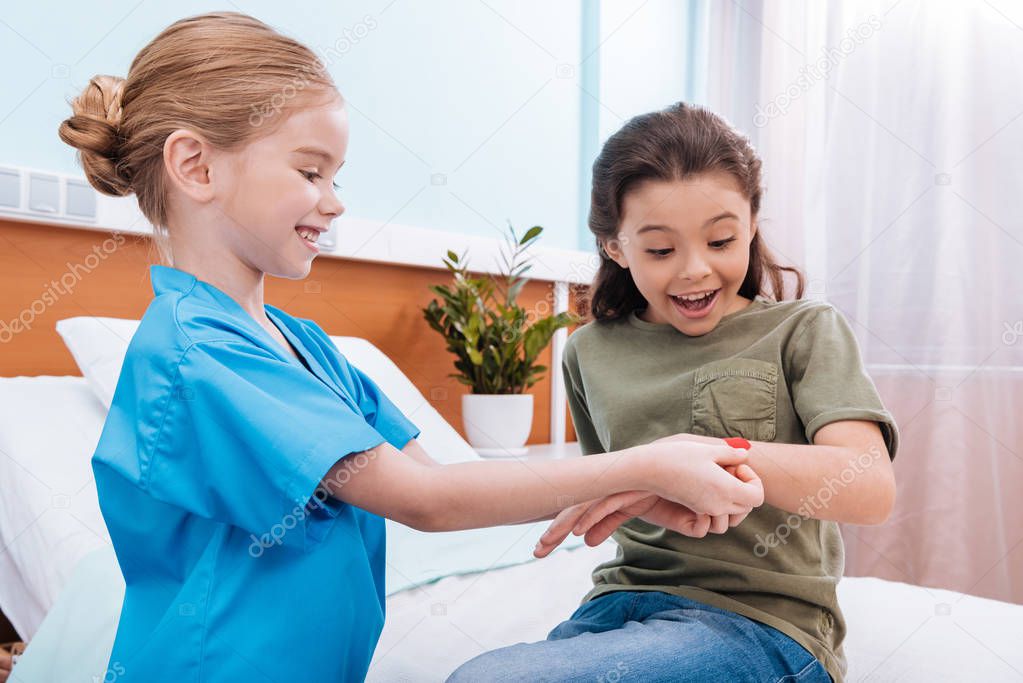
(531, 233)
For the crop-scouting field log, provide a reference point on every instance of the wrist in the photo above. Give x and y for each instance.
(644, 469)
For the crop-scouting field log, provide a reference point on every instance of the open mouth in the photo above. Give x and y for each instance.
(309, 236)
(696, 306)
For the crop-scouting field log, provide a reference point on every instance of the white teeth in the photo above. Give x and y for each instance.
(308, 234)
(694, 297)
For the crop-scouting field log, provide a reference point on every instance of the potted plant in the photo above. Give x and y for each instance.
(496, 344)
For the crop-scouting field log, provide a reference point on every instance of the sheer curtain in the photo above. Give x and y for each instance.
(892, 136)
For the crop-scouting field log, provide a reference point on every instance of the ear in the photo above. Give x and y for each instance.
(753, 225)
(186, 160)
(613, 248)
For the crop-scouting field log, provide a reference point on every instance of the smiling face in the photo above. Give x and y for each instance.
(279, 194)
(686, 238)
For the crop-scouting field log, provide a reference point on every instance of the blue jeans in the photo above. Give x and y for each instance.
(650, 636)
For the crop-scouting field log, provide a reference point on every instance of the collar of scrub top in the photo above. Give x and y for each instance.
(165, 278)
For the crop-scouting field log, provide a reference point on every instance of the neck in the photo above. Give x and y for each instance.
(231, 275)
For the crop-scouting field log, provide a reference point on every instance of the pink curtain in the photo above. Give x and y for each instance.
(958, 519)
(891, 134)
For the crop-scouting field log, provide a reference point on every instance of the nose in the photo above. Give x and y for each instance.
(330, 204)
(693, 267)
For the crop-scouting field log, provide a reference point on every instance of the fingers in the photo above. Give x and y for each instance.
(736, 519)
(726, 455)
(718, 524)
(750, 479)
(746, 489)
(701, 526)
(559, 529)
(602, 530)
(745, 473)
(605, 506)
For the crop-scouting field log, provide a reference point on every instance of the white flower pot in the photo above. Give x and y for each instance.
(497, 425)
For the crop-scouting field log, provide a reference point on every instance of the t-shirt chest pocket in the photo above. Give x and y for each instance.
(736, 397)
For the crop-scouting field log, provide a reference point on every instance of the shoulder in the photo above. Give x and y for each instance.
(809, 326)
(803, 310)
(176, 325)
(794, 318)
(593, 334)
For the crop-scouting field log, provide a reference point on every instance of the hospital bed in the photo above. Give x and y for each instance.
(451, 596)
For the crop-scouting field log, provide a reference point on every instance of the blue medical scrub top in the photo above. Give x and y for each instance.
(206, 468)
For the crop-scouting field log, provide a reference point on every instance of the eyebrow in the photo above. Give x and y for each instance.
(707, 224)
(316, 152)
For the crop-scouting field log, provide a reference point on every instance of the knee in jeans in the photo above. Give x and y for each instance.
(488, 666)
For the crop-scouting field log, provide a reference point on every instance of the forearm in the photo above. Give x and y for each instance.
(387, 482)
(493, 493)
(839, 483)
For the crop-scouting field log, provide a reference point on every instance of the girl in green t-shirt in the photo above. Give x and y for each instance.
(691, 339)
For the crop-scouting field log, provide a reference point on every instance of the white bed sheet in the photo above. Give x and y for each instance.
(897, 632)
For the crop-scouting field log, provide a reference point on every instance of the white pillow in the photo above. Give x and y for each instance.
(99, 345)
(49, 512)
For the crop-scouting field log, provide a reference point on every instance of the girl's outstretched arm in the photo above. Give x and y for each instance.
(389, 483)
(845, 476)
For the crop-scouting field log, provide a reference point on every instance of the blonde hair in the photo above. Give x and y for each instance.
(223, 75)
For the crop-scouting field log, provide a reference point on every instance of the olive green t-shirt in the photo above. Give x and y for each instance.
(773, 371)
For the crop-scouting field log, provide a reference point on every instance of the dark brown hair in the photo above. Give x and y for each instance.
(673, 144)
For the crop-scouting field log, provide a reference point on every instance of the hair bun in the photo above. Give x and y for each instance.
(93, 131)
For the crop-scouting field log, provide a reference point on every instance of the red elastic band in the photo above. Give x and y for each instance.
(737, 442)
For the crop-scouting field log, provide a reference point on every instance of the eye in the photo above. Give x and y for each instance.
(722, 244)
(659, 253)
(336, 186)
(310, 175)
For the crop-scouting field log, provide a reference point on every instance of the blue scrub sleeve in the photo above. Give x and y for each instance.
(246, 439)
(383, 415)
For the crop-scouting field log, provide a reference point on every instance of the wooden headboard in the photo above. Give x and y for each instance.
(49, 272)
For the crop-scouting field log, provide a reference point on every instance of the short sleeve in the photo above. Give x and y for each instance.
(581, 420)
(380, 412)
(827, 379)
(246, 439)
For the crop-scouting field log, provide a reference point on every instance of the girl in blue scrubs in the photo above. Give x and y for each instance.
(245, 466)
